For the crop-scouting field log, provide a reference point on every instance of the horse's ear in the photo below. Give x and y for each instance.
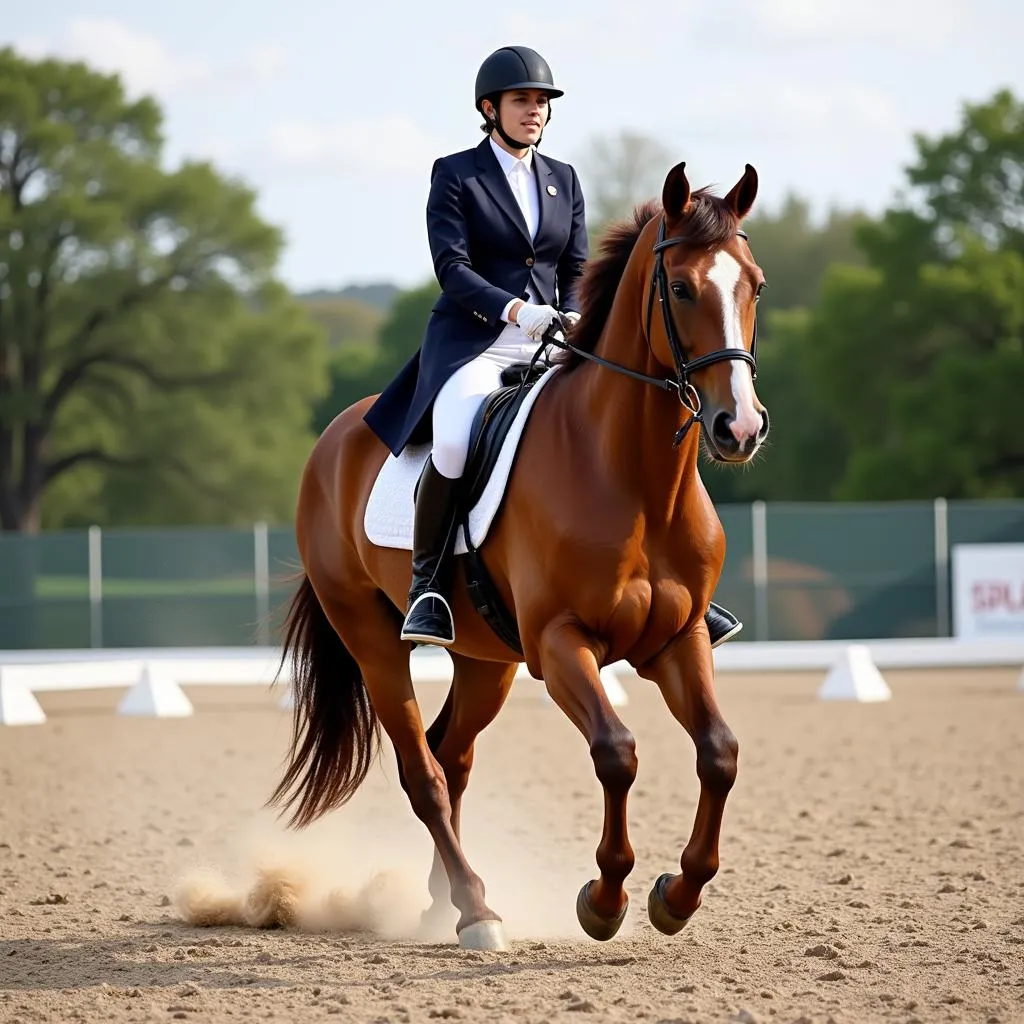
(743, 194)
(675, 196)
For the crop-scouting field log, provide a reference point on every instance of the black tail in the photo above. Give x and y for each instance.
(329, 763)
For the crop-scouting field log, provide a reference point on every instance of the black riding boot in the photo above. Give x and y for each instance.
(429, 619)
(722, 624)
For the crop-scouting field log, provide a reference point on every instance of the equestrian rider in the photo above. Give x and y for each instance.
(508, 239)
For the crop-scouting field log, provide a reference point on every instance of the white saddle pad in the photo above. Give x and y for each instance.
(388, 520)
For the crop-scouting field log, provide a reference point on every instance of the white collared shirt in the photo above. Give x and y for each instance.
(522, 179)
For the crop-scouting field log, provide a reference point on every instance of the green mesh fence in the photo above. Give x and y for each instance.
(792, 572)
(851, 571)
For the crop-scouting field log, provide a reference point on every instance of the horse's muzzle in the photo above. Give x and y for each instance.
(727, 444)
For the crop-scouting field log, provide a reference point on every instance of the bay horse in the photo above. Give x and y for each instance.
(607, 548)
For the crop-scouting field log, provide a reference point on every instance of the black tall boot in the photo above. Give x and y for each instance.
(429, 618)
(722, 624)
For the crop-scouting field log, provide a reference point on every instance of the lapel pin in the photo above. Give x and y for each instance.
(552, 191)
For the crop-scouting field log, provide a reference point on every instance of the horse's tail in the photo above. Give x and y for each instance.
(335, 731)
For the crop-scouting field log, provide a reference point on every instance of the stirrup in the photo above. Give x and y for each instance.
(428, 623)
(727, 636)
(722, 624)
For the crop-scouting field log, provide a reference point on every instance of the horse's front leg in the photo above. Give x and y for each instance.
(572, 677)
(685, 673)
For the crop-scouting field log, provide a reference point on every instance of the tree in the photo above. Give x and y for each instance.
(401, 334)
(972, 179)
(150, 365)
(795, 253)
(356, 373)
(349, 323)
(618, 172)
(352, 376)
(914, 363)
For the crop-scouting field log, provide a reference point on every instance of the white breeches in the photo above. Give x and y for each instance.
(462, 394)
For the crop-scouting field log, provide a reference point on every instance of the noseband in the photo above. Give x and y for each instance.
(682, 386)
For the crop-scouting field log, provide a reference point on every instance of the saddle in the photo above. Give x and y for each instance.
(490, 427)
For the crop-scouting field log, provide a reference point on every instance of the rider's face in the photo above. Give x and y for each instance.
(524, 112)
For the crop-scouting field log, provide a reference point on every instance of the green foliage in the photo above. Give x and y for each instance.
(910, 369)
(618, 172)
(402, 332)
(972, 179)
(349, 323)
(351, 376)
(358, 371)
(795, 253)
(151, 368)
(380, 296)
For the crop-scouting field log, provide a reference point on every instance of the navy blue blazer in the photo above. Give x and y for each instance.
(483, 258)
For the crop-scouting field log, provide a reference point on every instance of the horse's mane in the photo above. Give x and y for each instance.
(710, 222)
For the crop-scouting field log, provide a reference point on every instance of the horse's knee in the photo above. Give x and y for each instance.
(615, 763)
(717, 759)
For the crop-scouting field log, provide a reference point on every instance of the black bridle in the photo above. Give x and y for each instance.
(687, 393)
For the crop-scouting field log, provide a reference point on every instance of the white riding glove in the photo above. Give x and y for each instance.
(572, 316)
(535, 320)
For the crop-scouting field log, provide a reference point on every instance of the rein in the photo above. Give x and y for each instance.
(684, 389)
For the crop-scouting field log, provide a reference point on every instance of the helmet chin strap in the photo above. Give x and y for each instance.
(496, 123)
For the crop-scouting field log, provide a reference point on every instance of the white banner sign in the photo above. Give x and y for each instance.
(988, 590)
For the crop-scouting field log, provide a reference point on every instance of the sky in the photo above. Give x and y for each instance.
(334, 112)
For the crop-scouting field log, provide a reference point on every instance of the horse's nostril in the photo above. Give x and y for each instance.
(721, 429)
(765, 425)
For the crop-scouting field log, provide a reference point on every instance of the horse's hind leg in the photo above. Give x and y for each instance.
(685, 674)
(478, 692)
(369, 630)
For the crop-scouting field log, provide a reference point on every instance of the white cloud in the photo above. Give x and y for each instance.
(148, 65)
(909, 22)
(833, 110)
(264, 62)
(795, 114)
(144, 60)
(388, 144)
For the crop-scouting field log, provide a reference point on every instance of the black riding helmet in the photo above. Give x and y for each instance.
(512, 67)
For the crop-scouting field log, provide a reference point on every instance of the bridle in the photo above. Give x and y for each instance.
(684, 389)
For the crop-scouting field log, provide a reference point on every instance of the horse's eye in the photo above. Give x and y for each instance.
(680, 291)
(760, 288)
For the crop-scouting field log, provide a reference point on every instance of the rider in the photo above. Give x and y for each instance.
(508, 239)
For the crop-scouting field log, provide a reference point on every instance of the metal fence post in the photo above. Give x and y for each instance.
(942, 610)
(261, 562)
(759, 528)
(95, 586)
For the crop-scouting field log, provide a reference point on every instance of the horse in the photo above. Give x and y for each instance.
(607, 548)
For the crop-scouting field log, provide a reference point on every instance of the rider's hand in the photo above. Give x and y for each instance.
(535, 320)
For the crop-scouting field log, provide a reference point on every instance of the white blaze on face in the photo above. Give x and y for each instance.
(725, 276)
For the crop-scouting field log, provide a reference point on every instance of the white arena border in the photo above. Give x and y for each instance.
(153, 676)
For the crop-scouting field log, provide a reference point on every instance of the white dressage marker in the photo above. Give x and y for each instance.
(155, 695)
(855, 677)
(18, 705)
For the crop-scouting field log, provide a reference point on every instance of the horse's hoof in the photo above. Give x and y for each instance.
(484, 935)
(657, 909)
(597, 927)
